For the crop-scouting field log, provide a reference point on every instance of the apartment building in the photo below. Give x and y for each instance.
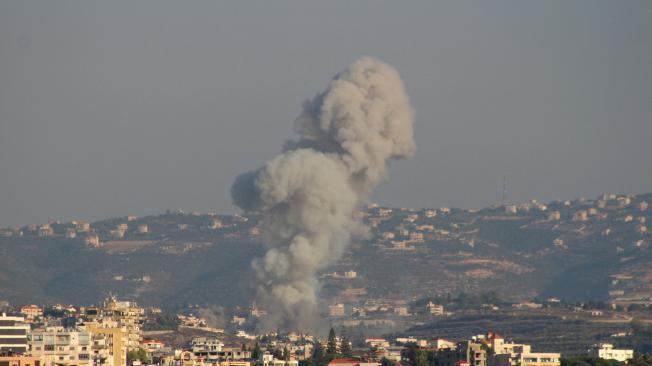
(516, 354)
(57, 346)
(13, 334)
(109, 348)
(208, 348)
(127, 316)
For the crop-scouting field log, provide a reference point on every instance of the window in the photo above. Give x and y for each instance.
(48, 347)
(83, 356)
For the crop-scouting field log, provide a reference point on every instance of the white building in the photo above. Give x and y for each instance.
(521, 354)
(608, 352)
(143, 229)
(71, 233)
(435, 309)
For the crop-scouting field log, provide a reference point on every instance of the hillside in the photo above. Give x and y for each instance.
(577, 250)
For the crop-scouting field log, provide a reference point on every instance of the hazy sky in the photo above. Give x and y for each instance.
(116, 108)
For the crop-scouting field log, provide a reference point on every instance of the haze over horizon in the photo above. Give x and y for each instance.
(133, 108)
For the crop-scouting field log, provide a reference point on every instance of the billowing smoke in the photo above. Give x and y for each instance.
(308, 194)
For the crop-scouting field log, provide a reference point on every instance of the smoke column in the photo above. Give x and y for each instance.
(308, 194)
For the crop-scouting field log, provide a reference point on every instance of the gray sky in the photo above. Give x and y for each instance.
(116, 108)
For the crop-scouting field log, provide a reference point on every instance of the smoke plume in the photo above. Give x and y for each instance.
(308, 194)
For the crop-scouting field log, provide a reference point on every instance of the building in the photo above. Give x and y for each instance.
(608, 352)
(377, 342)
(554, 216)
(467, 353)
(440, 343)
(336, 310)
(216, 224)
(474, 354)
(152, 345)
(61, 347)
(19, 361)
(143, 229)
(235, 353)
(208, 348)
(416, 237)
(109, 347)
(31, 312)
(45, 230)
(401, 311)
(434, 309)
(13, 334)
(92, 240)
(581, 215)
(82, 226)
(71, 233)
(267, 359)
(126, 315)
(515, 354)
(117, 233)
(536, 359)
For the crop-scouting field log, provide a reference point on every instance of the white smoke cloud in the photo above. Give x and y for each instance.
(308, 194)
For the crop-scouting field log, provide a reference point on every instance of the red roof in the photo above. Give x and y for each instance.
(344, 360)
(494, 335)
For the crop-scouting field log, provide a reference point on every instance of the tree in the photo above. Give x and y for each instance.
(422, 358)
(345, 344)
(331, 347)
(139, 354)
(255, 354)
(386, 362)
(416, 355)
(317, 354)
(286, 354)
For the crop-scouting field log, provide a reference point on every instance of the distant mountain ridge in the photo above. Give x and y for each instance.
(576, 250)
